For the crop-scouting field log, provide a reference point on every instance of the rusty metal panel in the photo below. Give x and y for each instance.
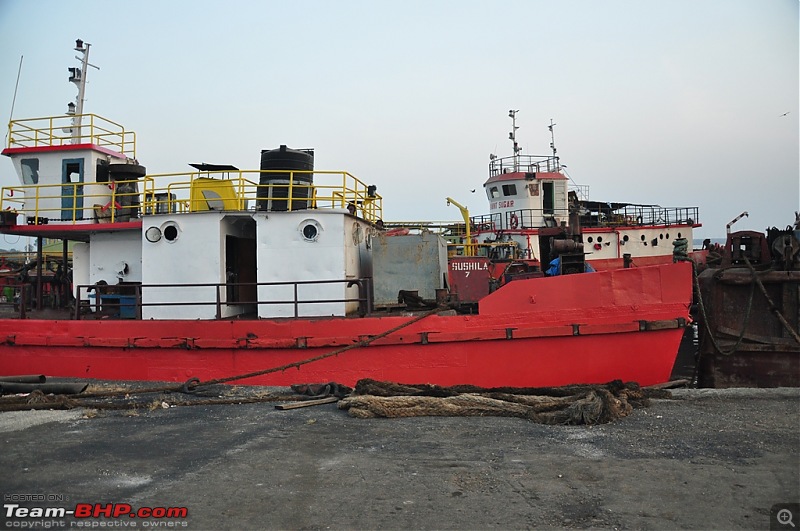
(469, 277)
(410, 262)
(753, 348)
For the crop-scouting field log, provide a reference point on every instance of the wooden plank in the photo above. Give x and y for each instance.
(307, 403)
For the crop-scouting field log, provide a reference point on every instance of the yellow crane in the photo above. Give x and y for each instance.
(468, 247)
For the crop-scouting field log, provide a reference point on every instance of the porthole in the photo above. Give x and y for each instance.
(170, 231)
(590, 239)
(153, 234)
(643, 237)
(679, 235)
(599, 238)
(668, 235)
(625, 238)
(310, 230)
(661, 236)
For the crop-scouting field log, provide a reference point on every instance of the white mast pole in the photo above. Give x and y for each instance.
(513, 137)
(78, 76)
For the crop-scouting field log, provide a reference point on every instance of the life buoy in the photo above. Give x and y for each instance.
(514, 221)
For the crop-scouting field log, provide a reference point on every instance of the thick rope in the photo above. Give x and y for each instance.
(772, 307)
(588, 404)
(707, 322)
(298, 364)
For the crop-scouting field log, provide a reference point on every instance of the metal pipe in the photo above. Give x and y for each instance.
(47, 388)
(25, 378)
(734, 220)
(39, 241)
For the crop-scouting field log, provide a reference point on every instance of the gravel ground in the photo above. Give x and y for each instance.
(706, 459)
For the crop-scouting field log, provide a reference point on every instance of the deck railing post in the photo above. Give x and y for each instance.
(137, 291)
(219, 301)
(78, 303)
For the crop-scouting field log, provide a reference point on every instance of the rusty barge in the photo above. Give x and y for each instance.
(750, 296)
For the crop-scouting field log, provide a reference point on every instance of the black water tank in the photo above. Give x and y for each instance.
(276, 197)
(126, 178)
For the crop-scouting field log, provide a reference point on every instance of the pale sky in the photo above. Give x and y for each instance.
(672, 102)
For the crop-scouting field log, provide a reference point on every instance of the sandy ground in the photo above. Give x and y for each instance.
(707, 459)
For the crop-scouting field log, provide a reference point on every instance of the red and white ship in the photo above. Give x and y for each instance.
(222, 271)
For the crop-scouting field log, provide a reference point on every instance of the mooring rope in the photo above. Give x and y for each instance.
(772, 307)
(193, 383)
(707, 322)
(586, 404)
(297, 364)
(755, 281)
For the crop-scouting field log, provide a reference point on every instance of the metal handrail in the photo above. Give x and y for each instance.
(364, 299)
(60, 130)
(524, 163)
(336, 189)
(628, 216)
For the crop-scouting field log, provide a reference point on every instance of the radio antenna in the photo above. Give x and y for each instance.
(14, 100)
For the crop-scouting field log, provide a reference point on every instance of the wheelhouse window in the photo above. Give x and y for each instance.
(494, 192)
(509, 189)
(30, 171)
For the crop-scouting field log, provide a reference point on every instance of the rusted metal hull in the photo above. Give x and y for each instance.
(751, 347)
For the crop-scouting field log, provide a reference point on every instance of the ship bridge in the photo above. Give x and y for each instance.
(526, 191)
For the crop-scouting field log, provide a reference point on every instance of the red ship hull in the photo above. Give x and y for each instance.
(592, 328)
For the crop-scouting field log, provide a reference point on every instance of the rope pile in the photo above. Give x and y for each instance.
(573, 405)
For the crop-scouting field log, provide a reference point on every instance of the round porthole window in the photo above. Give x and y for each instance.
(153, 234)
(170, 232)
(310, 230)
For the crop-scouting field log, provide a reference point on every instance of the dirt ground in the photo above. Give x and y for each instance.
(706, 459)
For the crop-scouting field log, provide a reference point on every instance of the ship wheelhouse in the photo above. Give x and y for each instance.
(527, 200)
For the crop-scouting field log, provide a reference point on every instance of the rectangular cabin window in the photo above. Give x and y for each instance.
(548, 202)
(509, 189)
(30, 171)
(494, 192)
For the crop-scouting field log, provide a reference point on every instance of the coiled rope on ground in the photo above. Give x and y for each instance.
(578, 404)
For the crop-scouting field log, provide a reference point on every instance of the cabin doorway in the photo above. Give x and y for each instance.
(240, 272)
(72, 189)
(548, 199)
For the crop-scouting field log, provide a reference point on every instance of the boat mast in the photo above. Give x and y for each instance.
(513, 137)
(77, 75)
(553, 143)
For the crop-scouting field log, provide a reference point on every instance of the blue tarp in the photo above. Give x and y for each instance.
(555, 267)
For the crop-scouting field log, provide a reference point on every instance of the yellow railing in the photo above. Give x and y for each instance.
(240, 190)
(192, 192)
(76, 202)
(63, 130)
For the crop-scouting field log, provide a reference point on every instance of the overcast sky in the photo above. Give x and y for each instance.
(670, 102)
